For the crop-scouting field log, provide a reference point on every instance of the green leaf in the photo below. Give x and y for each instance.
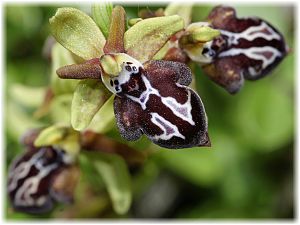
(198, 165)
(77, 32)
(60, 108)
(61, 57)
(26, 95)
(88, 98)
(185, 11)
(17, 120)
(144, 39)
(264, 115)
(101, 14)
(104, 119)
(115, 174)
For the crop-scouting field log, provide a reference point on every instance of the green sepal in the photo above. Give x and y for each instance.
(61, 136)
(101, 13)
(104, 119)
(183, 10)
(143, 40)
(88, 98)
(77, 32)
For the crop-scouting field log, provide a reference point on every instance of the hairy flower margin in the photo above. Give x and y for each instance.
(241, 48)
(228, 49)
(41, 176)
(151, 96)
(248, 48)
(48, 171)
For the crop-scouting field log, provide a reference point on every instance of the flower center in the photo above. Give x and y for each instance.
(122, 74)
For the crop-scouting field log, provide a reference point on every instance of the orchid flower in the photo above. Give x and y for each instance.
(248, 48)
(229, 49)
(41, 176)
(49, 170)
(151, 97)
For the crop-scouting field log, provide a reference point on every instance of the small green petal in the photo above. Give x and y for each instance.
(196, 36)
(77, 32)
(134, 21)
(185, 11)
(88, 98)
(202, 33)
(90, 69)
(115, 40)
(101, 14)
(144, 39)
(162, 52)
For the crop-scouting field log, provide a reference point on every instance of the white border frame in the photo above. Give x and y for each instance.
(297, 103)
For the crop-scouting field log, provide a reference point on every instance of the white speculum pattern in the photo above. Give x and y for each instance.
(182, 111)
(23, 196)
(252, 33)
(257, 53)
(169, 130)
(266, 54)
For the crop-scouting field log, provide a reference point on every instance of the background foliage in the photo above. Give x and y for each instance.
(248, 171)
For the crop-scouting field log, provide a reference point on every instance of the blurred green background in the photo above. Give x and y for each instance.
(247, 173)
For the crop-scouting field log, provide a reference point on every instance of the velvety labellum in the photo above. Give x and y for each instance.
(153, 99)
(250, 46)
(30, 179)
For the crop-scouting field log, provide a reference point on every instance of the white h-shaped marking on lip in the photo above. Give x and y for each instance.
(164, 124)
(31, 184)
(22, 170)
(144, 95)
(251, 34)
(255, 53)
(183, 111)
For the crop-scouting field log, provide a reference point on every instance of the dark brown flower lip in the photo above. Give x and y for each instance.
(163, 108)
(251, 48)
(31, 177)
